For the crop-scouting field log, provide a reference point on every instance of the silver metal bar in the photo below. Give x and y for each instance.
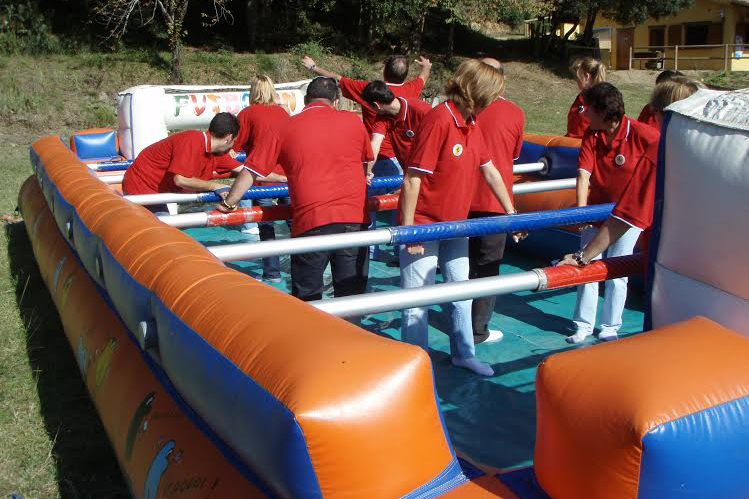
(198, 219)
(163, 198)
(111, 179)
(544, 186)
(528, 168)
(298, 245)
(400, 299)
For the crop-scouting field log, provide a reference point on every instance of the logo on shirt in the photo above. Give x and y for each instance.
(620, 160)
(580, 109)
(457, 149)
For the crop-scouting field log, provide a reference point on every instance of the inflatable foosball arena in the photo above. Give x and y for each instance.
(211, 383)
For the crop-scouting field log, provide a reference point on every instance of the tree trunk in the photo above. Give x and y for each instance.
(589, 22)
(572, 29)
(175, 74)
(251, 11)
(451, 39)
(416, 34)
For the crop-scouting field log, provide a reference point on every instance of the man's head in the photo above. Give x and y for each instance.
(322, 88)
(396, 69)
(223, 129)
(380, 97)
(605, 105)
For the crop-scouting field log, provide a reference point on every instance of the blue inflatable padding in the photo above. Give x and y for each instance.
(113, 166)
(562, 161)
(406, 234)
(446, 480)
(698, 456)
(131, 300)
(524, 484)
(86, 246)
(262, 430)
(531, 152)
(96, 145)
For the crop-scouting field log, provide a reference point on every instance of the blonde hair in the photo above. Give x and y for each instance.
(475, 85)
(262, 91)
(670, 91)
(587, 65)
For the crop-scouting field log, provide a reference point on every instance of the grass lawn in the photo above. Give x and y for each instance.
(51, 441)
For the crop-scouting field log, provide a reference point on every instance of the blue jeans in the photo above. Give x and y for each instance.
(389, 167)
(420, 270)
(271, 264)
(615, 290)
(247, 203)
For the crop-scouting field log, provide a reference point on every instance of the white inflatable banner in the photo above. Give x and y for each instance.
(147, 113)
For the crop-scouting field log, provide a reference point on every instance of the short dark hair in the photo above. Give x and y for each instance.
(377, 91)
(606, 99)
(667, 75)
(322, 87)
(224, 124)
(396, 68)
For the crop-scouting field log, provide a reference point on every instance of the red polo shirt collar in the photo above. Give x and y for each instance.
(457, 116)
(207, 143)
(622, 134)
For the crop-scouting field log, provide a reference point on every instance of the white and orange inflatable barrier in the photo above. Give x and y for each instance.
(209, 381)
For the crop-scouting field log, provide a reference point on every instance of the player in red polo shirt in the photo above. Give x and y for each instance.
(323, 152)
(610, 150)
(185, 161)
(635, 206)
(395, 73)
(257, 122)
(396, 120)
(447, 154)
(502, 126)
(588, 72)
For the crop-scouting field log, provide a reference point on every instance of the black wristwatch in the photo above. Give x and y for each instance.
(230, 207)
(578, 256)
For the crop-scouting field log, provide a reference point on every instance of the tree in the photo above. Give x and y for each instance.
(626, 12)
(117, 15)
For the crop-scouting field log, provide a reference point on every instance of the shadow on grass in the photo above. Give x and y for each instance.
(86, 466)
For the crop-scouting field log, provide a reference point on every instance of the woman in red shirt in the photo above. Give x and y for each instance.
(446, 159)
(635, 206)
(256, 122)
(588, 72)
(610, 150)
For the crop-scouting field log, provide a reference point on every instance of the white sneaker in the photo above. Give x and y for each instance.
(578, 337)
(607, 335)
(494, 336)
(252, 230)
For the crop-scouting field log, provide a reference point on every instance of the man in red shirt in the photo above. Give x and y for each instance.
(185, 161)
(502, 125)
(395, 73)
(396, 120)
(323, 152)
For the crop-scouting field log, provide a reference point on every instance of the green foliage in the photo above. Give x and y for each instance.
(733, 80)
(313, 48)
(360, 69)
(25, 30)
(210, 57)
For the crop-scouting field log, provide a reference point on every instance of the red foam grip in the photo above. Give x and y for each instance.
(599, 270)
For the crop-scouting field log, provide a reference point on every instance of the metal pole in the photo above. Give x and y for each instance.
(400, 299)
(111, 179)
(114, 166)
(528, 168)
(540, 279)
(544, 186)
(407, 234)
(378, 184)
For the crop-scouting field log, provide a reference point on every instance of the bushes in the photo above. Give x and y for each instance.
(24, 30)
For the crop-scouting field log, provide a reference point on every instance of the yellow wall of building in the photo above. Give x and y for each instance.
(703, 11)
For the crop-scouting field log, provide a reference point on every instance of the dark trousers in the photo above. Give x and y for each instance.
(485, 253)
(349, 266)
